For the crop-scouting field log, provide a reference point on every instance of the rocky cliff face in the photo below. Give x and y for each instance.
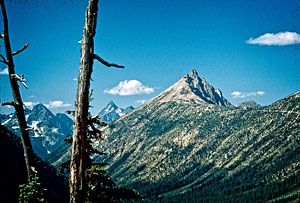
(112, 112)
(49, 130)
(192, 88)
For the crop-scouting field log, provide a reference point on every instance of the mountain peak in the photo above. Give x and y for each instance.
(39, 106)
(193, 74)
(41, 109)
(112, 112)
(111, 103)
(111, 106)
(191, 87)
(248, 105)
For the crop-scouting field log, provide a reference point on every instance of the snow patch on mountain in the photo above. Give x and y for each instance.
(54, 130)
(6, 122)
(112, 112)
(48, 130)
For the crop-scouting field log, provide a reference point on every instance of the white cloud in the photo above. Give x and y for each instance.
(4, 71)
(261, 93)
(57, 104)
(75, 79)
(30, 104)
(239, 95)
(142, 101)
(31, 96)
(281, 38)
(130, 87)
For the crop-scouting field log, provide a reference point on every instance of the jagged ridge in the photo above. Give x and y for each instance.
(50, 130)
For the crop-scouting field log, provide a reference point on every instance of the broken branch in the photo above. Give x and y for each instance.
(19, 51)
(21, 79)
(101, 60)
(8, 104)
(2, 57)
(4, 60)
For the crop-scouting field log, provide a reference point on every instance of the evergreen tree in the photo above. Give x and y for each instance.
(99, 186)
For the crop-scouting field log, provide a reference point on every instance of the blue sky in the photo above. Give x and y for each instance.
(250, 50)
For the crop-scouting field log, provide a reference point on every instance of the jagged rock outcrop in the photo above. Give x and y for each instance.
(112, 112)
(49, 130)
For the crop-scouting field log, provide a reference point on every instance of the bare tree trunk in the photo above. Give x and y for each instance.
(18, 104)
(77, 165)
(79, 154)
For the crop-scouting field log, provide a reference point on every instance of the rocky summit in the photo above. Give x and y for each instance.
(112, 112)
(192, 88)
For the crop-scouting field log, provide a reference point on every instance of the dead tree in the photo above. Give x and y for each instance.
(78, 154)
(17, 103)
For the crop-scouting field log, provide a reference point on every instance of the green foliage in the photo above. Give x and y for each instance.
(91, 98)
(68, 140)
(206, 153)
(32, 192)
(99, 186)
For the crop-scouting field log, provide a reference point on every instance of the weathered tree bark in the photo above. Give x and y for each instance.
(18, 104)
(77, 165)
(79, 154)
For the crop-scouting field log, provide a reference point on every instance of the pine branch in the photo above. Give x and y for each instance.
(19, 51)
(101, 60)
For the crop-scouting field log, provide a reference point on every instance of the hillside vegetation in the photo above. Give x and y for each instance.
(187, 150)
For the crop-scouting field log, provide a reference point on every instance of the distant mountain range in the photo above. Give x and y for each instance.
(108, 114)
(50, 130)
